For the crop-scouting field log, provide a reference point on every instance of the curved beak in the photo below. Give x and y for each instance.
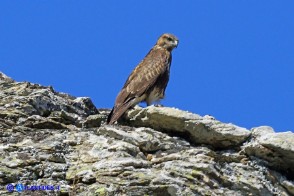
(176, 43)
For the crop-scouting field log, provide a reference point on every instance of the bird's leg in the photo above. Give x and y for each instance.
(131, 107)
(155, 105)
(148, 103)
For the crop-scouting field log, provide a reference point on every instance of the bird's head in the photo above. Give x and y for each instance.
(167, 41)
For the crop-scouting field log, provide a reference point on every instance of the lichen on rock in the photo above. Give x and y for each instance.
(52, 138)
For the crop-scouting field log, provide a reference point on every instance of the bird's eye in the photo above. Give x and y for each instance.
(169, 39)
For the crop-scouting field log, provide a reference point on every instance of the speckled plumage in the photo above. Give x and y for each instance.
(148, 80)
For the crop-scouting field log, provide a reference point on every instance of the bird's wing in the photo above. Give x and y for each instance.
(145, 74)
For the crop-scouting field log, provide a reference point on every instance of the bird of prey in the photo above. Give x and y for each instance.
(148, 80)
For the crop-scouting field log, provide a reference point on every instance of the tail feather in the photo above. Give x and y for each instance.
(110, 116)
(117, 112)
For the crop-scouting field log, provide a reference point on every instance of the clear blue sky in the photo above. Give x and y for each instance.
(235, 59)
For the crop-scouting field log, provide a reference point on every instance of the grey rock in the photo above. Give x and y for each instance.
(52, 138)
(5, 79)
(276, 149)
(200, 130)
(260, 131)
(93, 121)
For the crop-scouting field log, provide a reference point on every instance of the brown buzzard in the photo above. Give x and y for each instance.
(148, 80)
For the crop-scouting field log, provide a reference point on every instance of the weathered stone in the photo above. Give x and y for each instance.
(66, 118)
(93, 121)
(51, 138)
(39, 122)
(5, 79)
(31, 99)
(200, 130)
(276, 149)
(9, 175)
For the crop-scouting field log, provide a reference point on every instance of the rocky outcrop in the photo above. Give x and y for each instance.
(200, 130)
(51, 138)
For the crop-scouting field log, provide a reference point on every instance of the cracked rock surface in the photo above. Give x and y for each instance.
(51, 138)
